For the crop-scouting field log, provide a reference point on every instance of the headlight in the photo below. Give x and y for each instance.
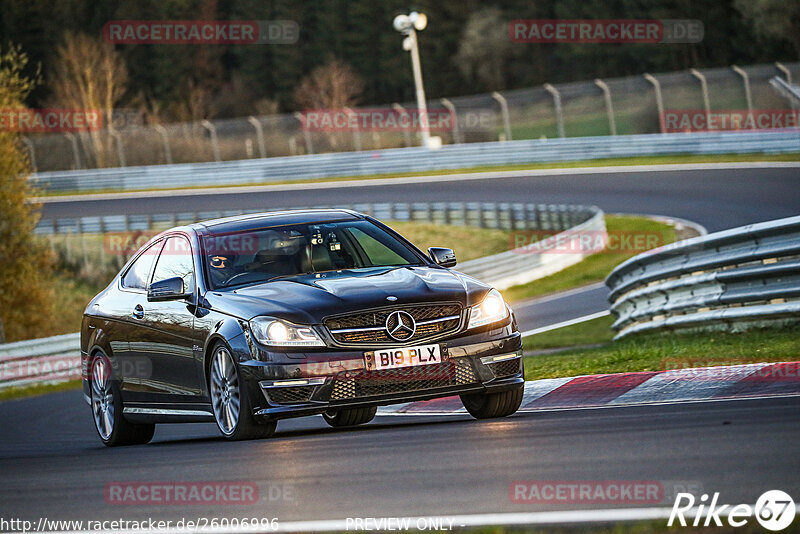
(492, 309)
(277, 333)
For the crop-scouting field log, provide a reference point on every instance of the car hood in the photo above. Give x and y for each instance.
(308, 298)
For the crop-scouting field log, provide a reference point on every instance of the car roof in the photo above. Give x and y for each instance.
(255, 221)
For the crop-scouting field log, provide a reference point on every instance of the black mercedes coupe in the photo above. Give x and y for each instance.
(247, 320)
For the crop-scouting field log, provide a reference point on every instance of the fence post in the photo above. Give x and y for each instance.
(262, 148)
(165, 137)
(704, 87)
(659, 100)
(612, 125)
(212, 130)
(120, 151)
(786, 72)
(504, 111)
(557, 104)
(747, 94)
(29, 144)
(306, 133)
(406, 131)
(456, 130)
(75, 151)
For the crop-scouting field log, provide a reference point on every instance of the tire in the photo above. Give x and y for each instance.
(350, 416)
(106, 405)
(230, 404)
(491, 405)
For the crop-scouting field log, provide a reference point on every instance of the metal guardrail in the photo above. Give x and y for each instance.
(501, 215)
(57, 358)
(416, 159)
(792, 92)
(46, 360)
(733, 279)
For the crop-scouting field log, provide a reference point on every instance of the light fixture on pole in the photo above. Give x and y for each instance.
(409, 25)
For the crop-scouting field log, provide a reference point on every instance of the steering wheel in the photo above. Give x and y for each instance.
(234, 277)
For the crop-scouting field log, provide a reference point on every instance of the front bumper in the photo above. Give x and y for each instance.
(325, 381)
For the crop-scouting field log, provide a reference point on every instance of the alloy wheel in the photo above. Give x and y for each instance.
(102, 398)
(225, 391)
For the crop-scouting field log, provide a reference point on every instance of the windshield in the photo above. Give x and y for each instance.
(261, 255)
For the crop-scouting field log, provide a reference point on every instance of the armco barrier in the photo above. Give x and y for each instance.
(733, 279)
(57, 358)
(52, 359)
(417, 159)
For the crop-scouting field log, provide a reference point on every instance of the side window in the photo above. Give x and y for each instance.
(176, 260)
(136, 277)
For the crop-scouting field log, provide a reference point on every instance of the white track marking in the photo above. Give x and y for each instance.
(568, 322)
(561, 517)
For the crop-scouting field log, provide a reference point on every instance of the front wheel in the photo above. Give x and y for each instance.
(350, 417)
(491, 405)
(231, 406)
(106, 402)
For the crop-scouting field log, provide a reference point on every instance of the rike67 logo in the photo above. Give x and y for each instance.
(774, 510)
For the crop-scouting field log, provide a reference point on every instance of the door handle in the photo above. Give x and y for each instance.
(138, 312)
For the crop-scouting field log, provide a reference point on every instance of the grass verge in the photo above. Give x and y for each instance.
(37, 389)
(656, 352)
(585, 333)
(597, 266)
(650, 160)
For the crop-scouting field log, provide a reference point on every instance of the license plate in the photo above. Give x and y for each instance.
(404, 357)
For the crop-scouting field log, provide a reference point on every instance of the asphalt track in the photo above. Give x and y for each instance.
(53, 465)
(717, 198)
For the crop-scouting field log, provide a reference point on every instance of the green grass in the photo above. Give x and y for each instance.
(656, 351)
(586, 333)
(467, 242)
(597, 266)
(37, 389)
(649, 160)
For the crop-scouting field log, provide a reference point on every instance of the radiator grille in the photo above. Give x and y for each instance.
(373, 324)
(407, 379)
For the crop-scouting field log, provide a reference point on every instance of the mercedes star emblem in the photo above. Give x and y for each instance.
(400, 325)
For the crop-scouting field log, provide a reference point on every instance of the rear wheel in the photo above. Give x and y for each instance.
(350, 416)
(491, 405)
(232, 410)
(106, 403)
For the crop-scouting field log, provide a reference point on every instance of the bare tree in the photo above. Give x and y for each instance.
(90, 74)
(485, 48)
(26, 286)
(334, 85)
(774, 18)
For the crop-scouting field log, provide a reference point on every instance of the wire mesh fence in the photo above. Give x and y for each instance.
(623, 106)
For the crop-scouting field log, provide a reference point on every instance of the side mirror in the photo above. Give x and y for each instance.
(443, 256)
(169, 289)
